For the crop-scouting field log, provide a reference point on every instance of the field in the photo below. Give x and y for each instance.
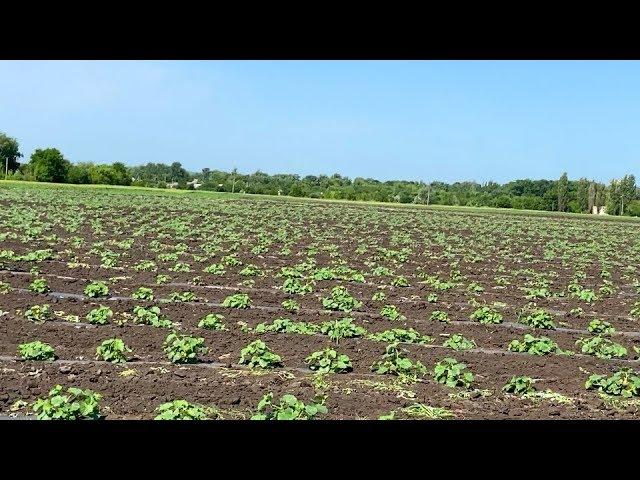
(220, 300)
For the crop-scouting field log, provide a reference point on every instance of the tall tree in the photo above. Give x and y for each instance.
(48, 165)
(582, 195)
(592, 196)
(614, 197)
(563, 192)
(627, 191)
(9, 153)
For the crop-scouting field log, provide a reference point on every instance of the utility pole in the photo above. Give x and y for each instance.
(6, 168)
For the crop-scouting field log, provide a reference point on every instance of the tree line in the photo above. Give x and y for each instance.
(620, 197)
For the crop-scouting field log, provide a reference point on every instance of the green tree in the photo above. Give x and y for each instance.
(562, 189)
(627, 191)
(9, 153)
(614, 198)
(48, 165)
(582, 195)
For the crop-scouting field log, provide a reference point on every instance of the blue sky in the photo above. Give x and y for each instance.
(413, 120)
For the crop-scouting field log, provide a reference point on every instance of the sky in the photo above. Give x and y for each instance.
(406, 120)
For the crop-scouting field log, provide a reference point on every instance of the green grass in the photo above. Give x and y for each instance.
(117, 189)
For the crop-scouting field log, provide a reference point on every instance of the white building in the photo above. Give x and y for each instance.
(599, 210)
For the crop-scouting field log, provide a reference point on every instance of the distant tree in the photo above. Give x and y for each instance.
(582, 195)
(592, 196)
(48, 165)
(9, 153)
(614, 198)
(562, 190)
(627, 191)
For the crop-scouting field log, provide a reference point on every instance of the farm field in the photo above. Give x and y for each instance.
(235, 304)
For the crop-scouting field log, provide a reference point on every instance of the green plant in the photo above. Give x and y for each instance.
(257, 354)
(100, 315)
(5, 288)
(519, 385)
(39, 285)
(625, 382)
(401, 335)
(212, 321)
(238, 300)
(486, 315)
(181, 410)
(150, 316)
(76, 404)
(432, 298)
(452, 373)
(290, 305)
(393, 362)
(391, 312)
(113, 350)
(96, 289)
(343, 328)
(182, 297)
(601, 347)
(215, 269)
(143, 293)
(439, 316)
(534, 345)
(458, 342)
(379, 297)
(537, 318)
(600, 327)
(340, 300)
(286, 325)
(36, 351)
(183, 348)
(289, 408)
(328, 361)
(39, 313)
(295, 286)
